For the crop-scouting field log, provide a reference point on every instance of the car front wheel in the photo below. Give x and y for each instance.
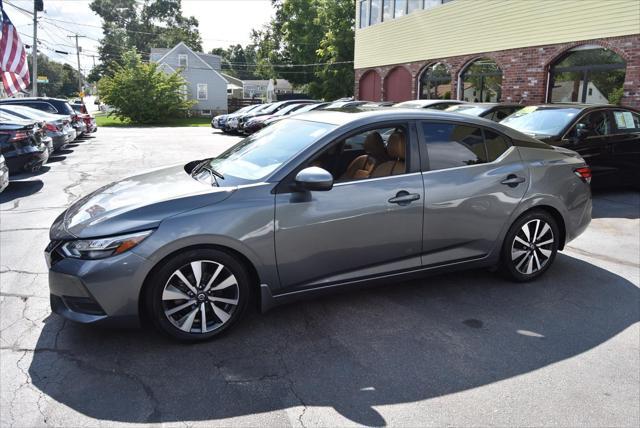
(530, 246)
(198, 294)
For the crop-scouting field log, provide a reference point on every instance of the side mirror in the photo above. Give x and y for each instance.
(314, 178)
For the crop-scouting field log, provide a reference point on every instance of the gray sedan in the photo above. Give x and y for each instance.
(318, 202)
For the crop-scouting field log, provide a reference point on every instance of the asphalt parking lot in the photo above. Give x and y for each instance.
(458, 349)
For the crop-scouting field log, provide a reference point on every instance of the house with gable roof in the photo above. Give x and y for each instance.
(205, 84)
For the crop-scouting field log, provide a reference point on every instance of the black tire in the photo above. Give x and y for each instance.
(533, 256)
(166, 277)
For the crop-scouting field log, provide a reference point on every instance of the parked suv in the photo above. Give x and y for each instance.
(607, 136)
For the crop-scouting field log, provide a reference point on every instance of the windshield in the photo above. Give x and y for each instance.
(541, 120)
(470, 110)
(287, 109)
(257, 156)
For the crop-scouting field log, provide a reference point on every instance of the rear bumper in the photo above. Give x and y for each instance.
(27, 161)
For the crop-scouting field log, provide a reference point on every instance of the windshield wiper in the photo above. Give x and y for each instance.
(202, 166)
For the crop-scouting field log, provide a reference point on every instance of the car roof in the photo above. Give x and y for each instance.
(341, 117)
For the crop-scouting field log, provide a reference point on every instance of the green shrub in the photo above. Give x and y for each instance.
(141, 93)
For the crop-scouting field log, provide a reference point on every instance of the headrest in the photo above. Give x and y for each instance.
(396, 145)
(374, 146)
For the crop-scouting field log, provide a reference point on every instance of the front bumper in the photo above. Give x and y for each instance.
(104, 292)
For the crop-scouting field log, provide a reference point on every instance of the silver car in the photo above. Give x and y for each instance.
(314, 203)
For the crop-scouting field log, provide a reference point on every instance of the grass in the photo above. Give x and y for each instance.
(104, 120)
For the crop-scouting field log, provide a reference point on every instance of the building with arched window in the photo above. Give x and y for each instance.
(575, 51)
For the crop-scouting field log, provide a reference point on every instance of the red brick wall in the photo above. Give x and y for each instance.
(525, 70)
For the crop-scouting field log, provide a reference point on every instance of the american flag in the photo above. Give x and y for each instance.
(13, 58)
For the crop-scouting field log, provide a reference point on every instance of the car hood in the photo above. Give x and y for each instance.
(136, 203)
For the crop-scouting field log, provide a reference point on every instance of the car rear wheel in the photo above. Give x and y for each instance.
(530, 246)
(198, 294)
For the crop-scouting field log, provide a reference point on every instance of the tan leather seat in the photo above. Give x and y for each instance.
(396, 149)
(375, 153)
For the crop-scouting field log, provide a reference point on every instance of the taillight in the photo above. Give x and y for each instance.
(50, 127)
(19, 135)
(583, 173)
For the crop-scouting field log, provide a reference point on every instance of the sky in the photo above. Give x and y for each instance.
(222, 22)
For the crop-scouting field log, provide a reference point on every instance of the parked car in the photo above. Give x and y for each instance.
(56, 126)
(21, 146)
(219, 121)
(256, 123)
(431, 104)
(491, 111)
(607, 136)
(377, 104)
(232, 121)
(305, 108)
(4, 174)
(272, 108)
(39, 129)
(301, 209)
(51, 105)
(345, 104)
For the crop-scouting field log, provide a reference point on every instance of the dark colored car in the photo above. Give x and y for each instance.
(53, 124)
(305, 108)
(491, 111)
(430, 104)
(21, 146)
(607, 136)
(51, 105)
(256, 123)
(268, 110)
(218, 122)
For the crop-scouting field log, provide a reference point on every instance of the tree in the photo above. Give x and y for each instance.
(142, 93)
(129, 24)
(63, 79)
(309, 32)
(238, 61)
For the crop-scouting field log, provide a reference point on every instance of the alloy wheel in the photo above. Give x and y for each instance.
(532, 246)
(200, 297)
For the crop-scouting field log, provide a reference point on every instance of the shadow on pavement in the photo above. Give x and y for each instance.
(20, 189)
(394, 344)
(616, 204)
(54, 159)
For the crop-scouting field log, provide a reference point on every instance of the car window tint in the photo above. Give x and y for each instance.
(496, 145)
(451, 146)
(503, 113)
(627, 120)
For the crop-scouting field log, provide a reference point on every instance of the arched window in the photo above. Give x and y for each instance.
(587, 74)
(481, 81)
(435, 83)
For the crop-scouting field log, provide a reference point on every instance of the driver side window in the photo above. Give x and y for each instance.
(594, 124)
(377, 152)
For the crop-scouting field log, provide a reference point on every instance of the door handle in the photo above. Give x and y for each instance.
(513, 180)
(404, 198)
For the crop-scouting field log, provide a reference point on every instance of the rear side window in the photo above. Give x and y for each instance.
(451, 146)
(496, 145)
(627, 120)
(41, 106)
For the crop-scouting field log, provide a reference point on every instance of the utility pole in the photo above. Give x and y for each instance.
(79, 69)
(34, 52)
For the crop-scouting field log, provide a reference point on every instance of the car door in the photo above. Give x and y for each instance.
(625, 146)
(590, 136)
(474, 180)
(359, 228)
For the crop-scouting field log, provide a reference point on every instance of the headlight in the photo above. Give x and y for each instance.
(100, 248)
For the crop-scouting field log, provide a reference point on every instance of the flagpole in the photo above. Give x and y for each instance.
(34, 51)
